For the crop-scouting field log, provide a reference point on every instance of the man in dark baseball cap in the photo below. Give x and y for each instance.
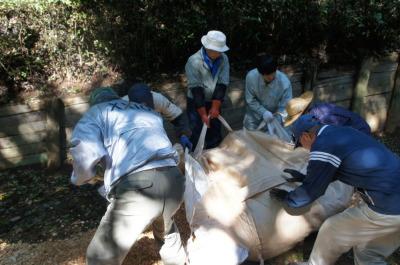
(342, 153)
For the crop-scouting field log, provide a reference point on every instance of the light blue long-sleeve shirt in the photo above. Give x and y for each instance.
(126, 137)
(198, 74)
(260, 97)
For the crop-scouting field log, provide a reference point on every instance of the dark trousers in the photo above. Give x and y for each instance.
(213, 136)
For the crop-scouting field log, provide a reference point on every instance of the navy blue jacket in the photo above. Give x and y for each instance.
(328, 113)
(345, 154)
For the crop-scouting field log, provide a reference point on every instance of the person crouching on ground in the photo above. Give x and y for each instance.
(141, 179)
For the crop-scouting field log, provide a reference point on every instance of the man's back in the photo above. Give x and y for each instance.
(129, 136)
(328, 113)
(361, 161)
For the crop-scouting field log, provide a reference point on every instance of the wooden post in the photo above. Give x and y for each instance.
(393, 118)
(54, 141)
(361, 87)
(310, 75)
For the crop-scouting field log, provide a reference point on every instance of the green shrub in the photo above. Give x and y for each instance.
(47, 40)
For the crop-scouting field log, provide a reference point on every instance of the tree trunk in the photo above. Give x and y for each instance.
(310, 75)
(54, 140)
(361, 87)
(393, 118)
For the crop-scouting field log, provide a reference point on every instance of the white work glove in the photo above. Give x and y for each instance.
(267, 116)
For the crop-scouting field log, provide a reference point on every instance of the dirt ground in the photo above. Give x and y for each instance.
(71, 251)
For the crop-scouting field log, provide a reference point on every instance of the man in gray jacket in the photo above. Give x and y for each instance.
(207, 73)
(141, 179)
(267, 92)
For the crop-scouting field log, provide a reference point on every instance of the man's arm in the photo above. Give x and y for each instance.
(163, 105)
(321, 172)
(87, 149)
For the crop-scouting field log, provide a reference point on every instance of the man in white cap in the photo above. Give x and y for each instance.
(207, 72)
(267, 92)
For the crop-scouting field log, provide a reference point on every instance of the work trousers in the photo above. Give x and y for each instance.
(213, 135)
(138, 200)
(373, 237)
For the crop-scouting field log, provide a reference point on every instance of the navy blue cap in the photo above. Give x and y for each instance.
(141, 93)
(303, 124)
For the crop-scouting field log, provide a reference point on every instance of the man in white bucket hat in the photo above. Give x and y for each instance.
(207, 73)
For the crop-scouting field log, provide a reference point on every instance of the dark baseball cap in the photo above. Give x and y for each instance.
(141, 93)
(303, 124)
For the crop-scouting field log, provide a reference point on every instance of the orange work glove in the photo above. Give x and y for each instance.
(203, 115)
(215, 108)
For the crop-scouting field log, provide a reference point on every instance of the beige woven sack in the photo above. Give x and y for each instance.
(228, 204)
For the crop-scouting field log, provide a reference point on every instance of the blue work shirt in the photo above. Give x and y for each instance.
(348, 155)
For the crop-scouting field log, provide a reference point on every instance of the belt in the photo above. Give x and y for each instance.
(364, 196)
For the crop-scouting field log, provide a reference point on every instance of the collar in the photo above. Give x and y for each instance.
(212, 65)
(322, 129)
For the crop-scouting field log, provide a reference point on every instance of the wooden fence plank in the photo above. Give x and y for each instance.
(336, 73)
(23, 161)
(19, 109)
(70, 101)
(338, 91)
(334, 85)
(72, 119)
(22, 150)
(22, 118)
(381, 82)
(76, 109)
(386, 67)
(15, 141)
(25, 128)
(344, 103)
(386, 64)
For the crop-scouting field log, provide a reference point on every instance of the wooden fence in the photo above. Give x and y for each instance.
(38, 133)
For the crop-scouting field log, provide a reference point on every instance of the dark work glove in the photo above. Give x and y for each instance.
(297, 176)
(185, 142)
(278, 194)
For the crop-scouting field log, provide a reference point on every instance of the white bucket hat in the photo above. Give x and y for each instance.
(215, 40)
